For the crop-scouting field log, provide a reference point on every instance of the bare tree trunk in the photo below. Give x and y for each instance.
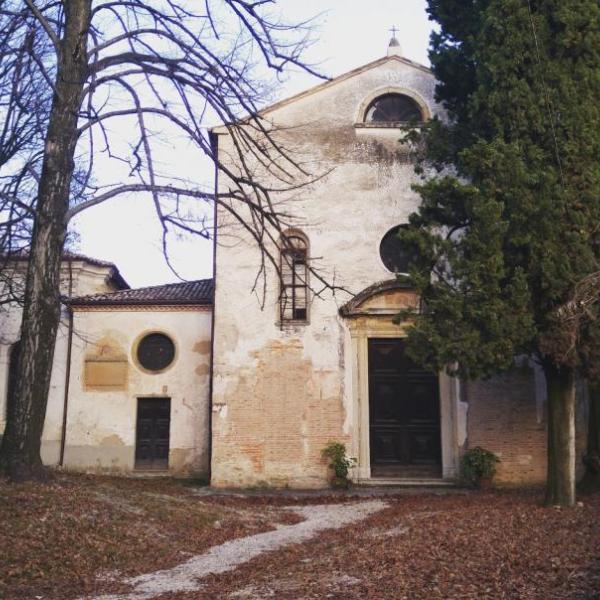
(591, 481)
(20, 452)
(560, 485)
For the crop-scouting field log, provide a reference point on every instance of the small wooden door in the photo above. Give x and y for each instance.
(404, 408)
(152, 437)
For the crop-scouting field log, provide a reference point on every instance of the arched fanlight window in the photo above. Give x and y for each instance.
(393, 108)
(294, 278)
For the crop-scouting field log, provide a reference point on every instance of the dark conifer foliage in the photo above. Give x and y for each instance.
(508, 230)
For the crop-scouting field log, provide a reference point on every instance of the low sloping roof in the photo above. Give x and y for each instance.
(188, 292)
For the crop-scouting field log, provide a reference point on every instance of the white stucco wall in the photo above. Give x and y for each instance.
(77, 278)
(101, 431)
(280, 394)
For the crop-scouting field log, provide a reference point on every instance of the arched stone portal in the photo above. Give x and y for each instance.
(369, 316)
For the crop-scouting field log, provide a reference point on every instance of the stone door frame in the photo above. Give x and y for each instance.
(380, 326)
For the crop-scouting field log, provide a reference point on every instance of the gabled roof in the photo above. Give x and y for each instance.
(189, 292)
(68, 256)
(115, 275)
(333, 81)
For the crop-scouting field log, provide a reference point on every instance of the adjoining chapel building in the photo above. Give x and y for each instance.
(206, 379)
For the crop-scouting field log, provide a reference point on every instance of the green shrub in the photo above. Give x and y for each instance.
(477, 464)
(339, 463)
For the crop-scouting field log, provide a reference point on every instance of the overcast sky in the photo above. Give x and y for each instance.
(350, 33)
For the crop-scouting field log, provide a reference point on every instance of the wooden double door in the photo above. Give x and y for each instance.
(152, 433)
(404, 414)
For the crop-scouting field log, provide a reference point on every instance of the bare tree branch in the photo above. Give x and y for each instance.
(46, 25)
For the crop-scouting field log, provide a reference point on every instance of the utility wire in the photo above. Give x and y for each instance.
(546, 95)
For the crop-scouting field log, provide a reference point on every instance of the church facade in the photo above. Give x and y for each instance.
(212, 378)
(306, 369)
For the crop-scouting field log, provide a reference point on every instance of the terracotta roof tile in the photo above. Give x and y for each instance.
(188, 292)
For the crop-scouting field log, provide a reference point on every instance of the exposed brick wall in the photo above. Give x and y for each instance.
(278, 419)
(503, 418)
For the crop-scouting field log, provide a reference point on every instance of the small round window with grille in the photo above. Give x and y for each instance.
(155, 352)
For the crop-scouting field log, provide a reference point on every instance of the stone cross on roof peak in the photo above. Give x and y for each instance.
(394, 48)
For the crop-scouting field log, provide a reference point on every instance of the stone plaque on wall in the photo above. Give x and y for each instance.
(105, 374)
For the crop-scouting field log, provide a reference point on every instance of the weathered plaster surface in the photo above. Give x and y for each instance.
(105, 380)
(281, 393)
(103, 403)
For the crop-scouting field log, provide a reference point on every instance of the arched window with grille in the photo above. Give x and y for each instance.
(293, 298)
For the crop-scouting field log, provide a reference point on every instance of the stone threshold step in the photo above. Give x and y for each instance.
(406, 482)
(149, 473)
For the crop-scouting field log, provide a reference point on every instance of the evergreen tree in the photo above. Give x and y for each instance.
(509, 227)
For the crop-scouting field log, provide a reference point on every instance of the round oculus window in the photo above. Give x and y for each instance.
(395, 254)
(155, 352)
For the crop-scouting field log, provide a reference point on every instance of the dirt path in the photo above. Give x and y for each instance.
(187, 576)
